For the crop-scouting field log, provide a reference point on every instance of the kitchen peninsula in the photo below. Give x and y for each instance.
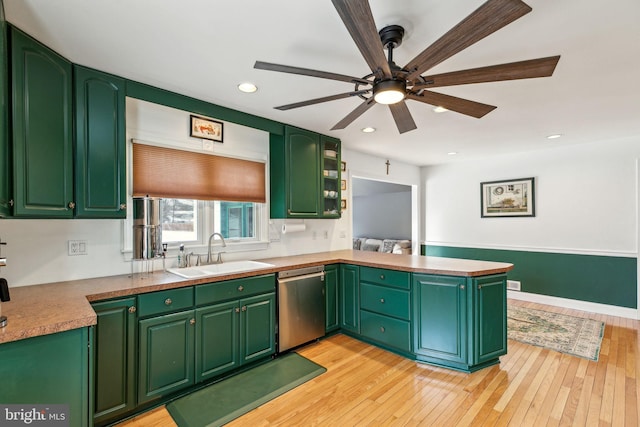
(443, 311)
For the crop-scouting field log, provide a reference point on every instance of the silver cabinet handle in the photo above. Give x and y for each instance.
(132, 309)
(462, 287)
(71, 205)
(240, 288)
(382, 329)
(244, 308)
(123, 206)
(237, 310)
(168, 301)
(192, 321)
(382, 300)
(382, 277)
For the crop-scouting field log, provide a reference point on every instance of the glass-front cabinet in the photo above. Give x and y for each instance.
(330, 177)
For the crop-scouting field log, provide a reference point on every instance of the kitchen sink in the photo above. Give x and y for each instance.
(218, 269)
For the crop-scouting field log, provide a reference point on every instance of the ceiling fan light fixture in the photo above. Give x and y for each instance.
(368, 129)
(389, 91)
(439, 109)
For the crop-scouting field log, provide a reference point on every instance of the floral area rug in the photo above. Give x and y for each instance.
(567, 334)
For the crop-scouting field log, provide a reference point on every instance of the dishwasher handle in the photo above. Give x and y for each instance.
(304, 276)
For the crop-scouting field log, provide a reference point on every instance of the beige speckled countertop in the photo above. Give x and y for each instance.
(62, 306)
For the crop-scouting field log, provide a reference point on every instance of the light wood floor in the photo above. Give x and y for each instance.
(532, 386)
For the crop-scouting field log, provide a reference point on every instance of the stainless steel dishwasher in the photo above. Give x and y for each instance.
(301, 306)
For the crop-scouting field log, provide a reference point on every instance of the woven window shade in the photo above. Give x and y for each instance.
(178, 174)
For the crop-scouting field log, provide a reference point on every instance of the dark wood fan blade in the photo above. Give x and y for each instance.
(360, 110)
(487, 19)
(357, 17)
(541, 67)
(308, 72)
(319, 100)
(460, 105)
(402, 116)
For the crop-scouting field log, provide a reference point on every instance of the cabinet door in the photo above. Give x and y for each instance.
(42, 138)
(257, 327)
(332, 318)
(166, 355)
(114, 359)
(350, 298)
(48, 369)
(440, 316)
(490, 318)
(100, 187)
(217, 339)
(330, 191)
(5, 154)
(302, 172)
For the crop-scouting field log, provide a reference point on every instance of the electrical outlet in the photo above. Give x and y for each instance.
(513, 285)
(78, 247)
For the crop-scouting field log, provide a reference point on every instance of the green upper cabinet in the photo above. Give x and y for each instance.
(42, 129)
(297, 174)
(5, 155)
(100, 175)
(330, 156)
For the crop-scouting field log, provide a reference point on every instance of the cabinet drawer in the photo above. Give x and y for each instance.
(233, 289)
(381, 276)
(165, 301)
(392, 332)
(383, 300)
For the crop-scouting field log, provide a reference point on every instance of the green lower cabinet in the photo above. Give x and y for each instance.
(49, 369)
(166, 355)
(217, 348)
(490, 318)
(460, 323)
(233, 333)
(332, 301)
(257, 327)
(114, 356)
(440, 317)
(349, 286)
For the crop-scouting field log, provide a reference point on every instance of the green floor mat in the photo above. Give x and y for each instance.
(224, 401)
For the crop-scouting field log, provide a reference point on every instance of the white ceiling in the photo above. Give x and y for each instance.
(204, 48)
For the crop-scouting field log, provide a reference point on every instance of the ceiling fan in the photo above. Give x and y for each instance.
(393, 85)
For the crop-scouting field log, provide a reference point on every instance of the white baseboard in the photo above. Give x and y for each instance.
(593, 307)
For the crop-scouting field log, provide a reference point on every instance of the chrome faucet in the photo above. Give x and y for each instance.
(219, 259)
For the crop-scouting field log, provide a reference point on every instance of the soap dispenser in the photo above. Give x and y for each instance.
(182, 262)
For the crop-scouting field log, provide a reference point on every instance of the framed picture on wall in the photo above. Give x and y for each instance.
(206, 128)
(343, 204)
(508, 198)
(343, 184)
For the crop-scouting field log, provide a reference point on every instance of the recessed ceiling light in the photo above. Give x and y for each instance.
(452, 153)
(247, 87)
(439, 109)
(554, 136)
(368, 130)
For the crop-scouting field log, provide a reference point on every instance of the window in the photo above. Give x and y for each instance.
(179, 218)
(192, 221)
